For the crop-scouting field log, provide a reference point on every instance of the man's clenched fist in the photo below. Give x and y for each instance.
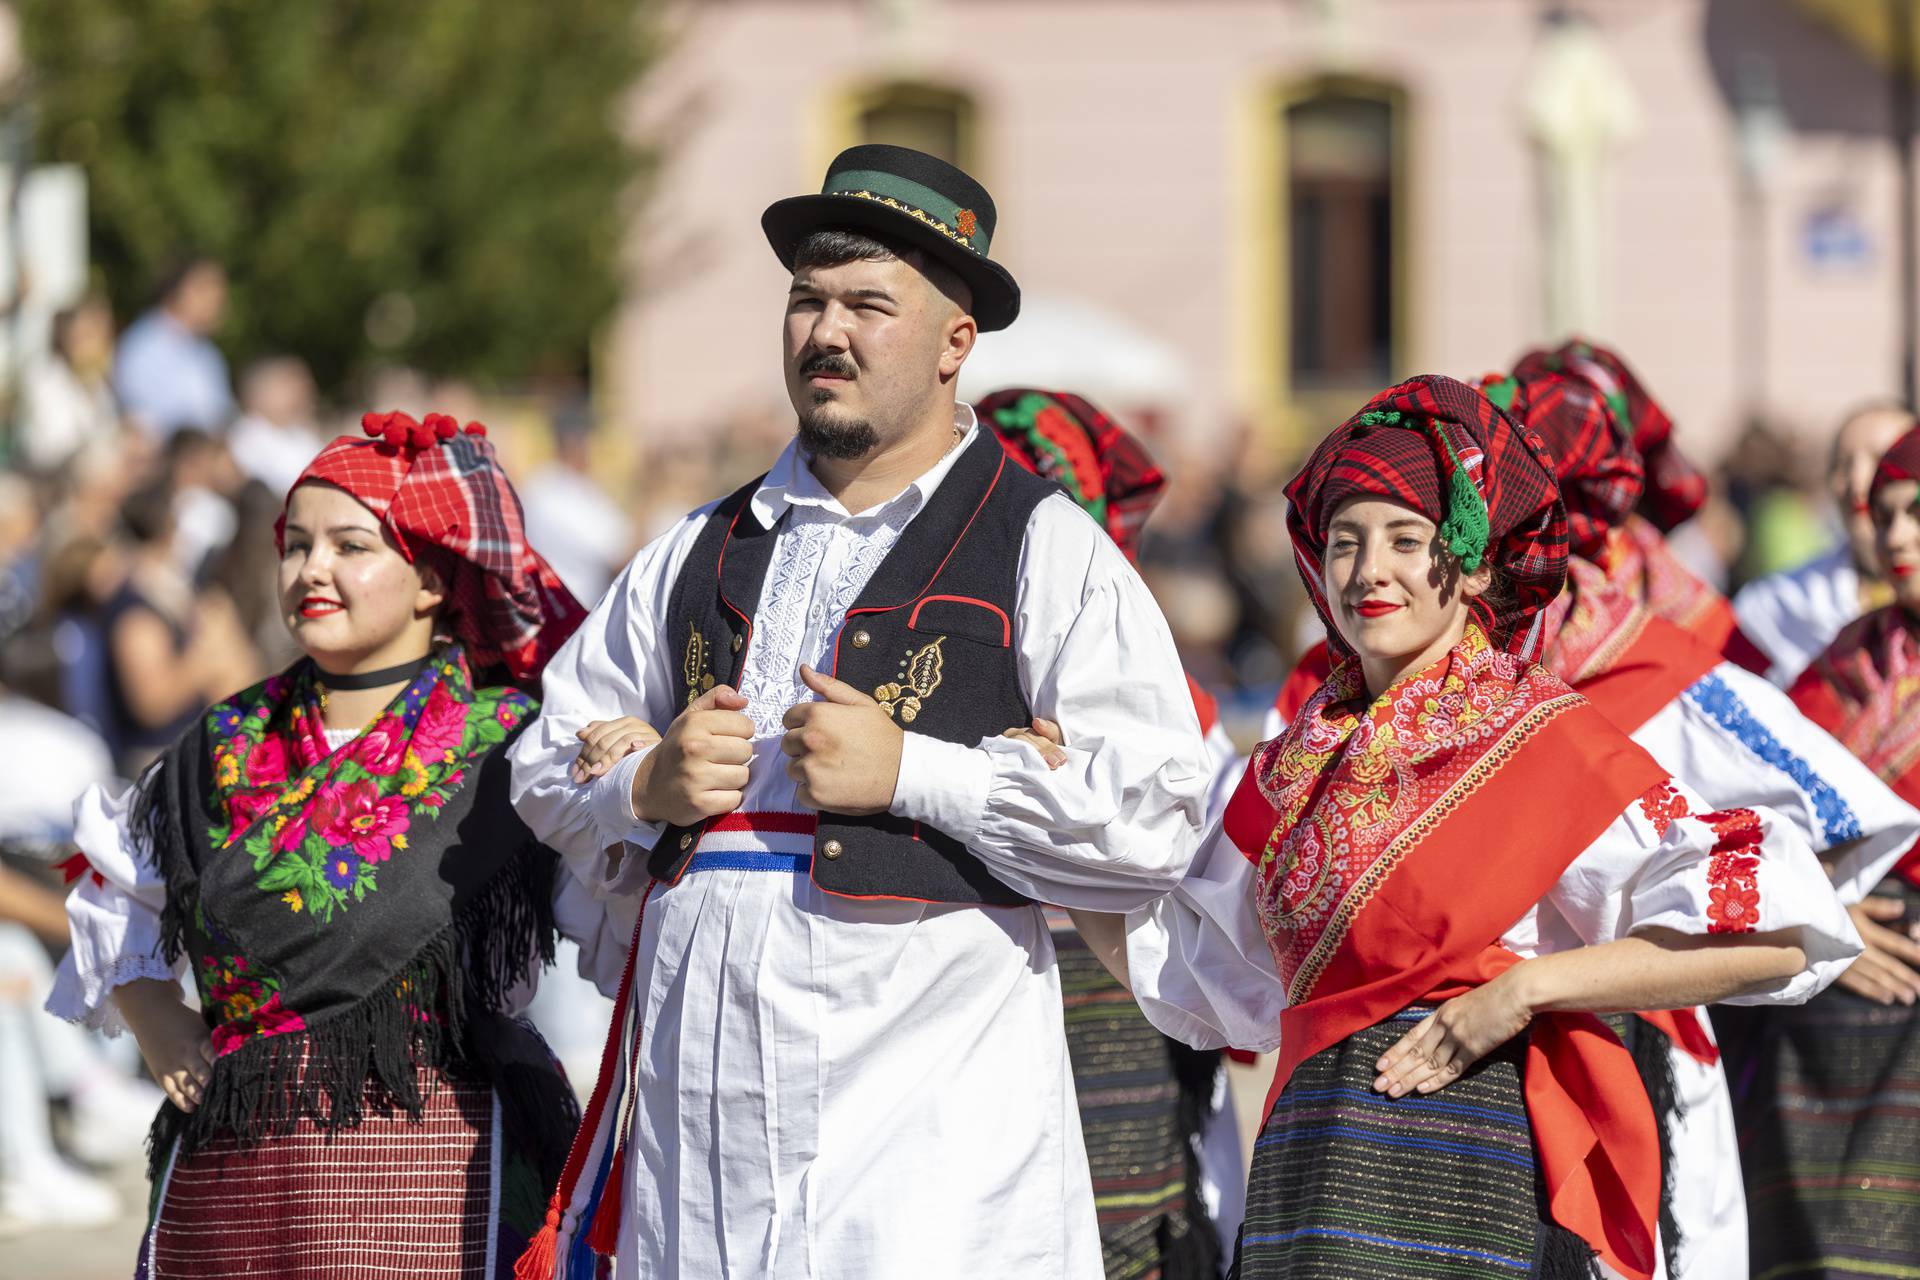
(699, 768)
(843, 750)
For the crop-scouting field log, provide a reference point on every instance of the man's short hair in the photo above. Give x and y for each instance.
(837, 246)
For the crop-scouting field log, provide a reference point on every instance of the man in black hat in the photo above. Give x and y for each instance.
(849, 1055)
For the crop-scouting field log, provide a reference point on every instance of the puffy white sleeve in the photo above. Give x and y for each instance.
(1741, 743)
(613, 666)
(1671, 861)
(113, 914)
(1115, 826)
(1198, 959)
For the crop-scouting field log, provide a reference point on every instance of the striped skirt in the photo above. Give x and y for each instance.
(1827, 1099)
(1140, 1126)
(1349, 1184)
(444, 1196)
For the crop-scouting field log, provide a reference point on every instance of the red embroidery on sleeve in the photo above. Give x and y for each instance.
(1662, 804)
(1733, 873)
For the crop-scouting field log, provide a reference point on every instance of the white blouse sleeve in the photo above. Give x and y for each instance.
(113, 914)
(1198, 959)
(1681, 865)
(1741, 743)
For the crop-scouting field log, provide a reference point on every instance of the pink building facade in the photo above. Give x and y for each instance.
(1262, 209)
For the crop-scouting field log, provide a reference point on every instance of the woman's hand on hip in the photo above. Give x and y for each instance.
(1453, 1037)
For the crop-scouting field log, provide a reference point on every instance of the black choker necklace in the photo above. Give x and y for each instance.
(373, 679)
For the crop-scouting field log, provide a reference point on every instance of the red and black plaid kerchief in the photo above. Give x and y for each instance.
(1600, 472)
(436, 486)
(1064, 438)
(1373, 455)
(1902, 462)
(1675, 489)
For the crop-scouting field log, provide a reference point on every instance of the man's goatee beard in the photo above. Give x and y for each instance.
(841, 441)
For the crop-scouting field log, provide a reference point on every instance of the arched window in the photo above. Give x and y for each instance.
(929, 118)
(1340, 240)
(1332, 215)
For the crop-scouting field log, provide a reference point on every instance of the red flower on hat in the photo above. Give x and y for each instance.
(967, 222)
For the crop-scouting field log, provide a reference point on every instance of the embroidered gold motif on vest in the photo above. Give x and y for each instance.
(699, 659)
(919, 677)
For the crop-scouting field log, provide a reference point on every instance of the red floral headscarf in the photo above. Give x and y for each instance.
(1392, 449)
(1065, 439)
(441, 489)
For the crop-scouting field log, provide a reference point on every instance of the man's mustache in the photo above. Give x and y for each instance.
(834, 365)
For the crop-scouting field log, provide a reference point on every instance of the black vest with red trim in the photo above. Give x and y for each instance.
(931, 637)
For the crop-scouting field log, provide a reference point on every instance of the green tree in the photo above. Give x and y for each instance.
(444, 183)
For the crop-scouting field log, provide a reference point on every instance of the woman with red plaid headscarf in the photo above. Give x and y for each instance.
(1825, 1094)
(1727, 733)
(332, 855)
(1420, 888)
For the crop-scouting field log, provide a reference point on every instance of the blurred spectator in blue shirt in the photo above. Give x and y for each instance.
(167, 371)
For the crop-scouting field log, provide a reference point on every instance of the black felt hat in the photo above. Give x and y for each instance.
(912, 198)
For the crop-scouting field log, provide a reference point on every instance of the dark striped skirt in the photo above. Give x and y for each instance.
(1140, 1116)
(1827, 1099)
(1349, 1184)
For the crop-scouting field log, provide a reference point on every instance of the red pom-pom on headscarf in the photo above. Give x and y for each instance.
(475, 429)
(443, 427)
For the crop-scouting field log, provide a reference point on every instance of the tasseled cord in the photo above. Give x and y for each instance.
(1465, 529)
(541, 1260)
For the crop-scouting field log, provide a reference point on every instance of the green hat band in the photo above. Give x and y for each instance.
(918, 202)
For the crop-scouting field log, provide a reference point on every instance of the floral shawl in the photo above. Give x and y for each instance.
(1382, 883)
(350, 916)
(1865, 691)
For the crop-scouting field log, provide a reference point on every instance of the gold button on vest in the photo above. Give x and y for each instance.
(861, 639)
(737, 642)
(831, 849)
(686, 841)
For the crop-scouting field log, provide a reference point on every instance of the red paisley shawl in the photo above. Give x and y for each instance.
(1383, 883)
(1865, 691)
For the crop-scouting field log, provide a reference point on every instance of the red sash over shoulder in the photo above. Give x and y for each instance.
(1677, 594)
(1395, 843)
(1865, 691)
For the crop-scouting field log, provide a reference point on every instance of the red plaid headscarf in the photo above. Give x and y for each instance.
(440, 490)
(1600, 473)
(1901, 462)
(1389, 450)
(1065, 439)
(1675, 489)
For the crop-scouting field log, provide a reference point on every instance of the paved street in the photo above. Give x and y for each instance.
(98, 1253)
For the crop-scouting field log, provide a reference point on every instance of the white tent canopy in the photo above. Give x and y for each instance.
(1067, 344)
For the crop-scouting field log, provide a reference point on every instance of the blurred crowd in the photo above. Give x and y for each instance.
(138, 497)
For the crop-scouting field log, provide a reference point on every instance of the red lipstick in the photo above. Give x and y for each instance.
(1374, 608)
(1902, 570)
(318, 607)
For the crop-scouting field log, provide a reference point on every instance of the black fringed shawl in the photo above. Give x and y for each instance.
(354, 919)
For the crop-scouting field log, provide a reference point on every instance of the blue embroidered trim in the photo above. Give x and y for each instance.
(747, 860)
(1712, 695)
